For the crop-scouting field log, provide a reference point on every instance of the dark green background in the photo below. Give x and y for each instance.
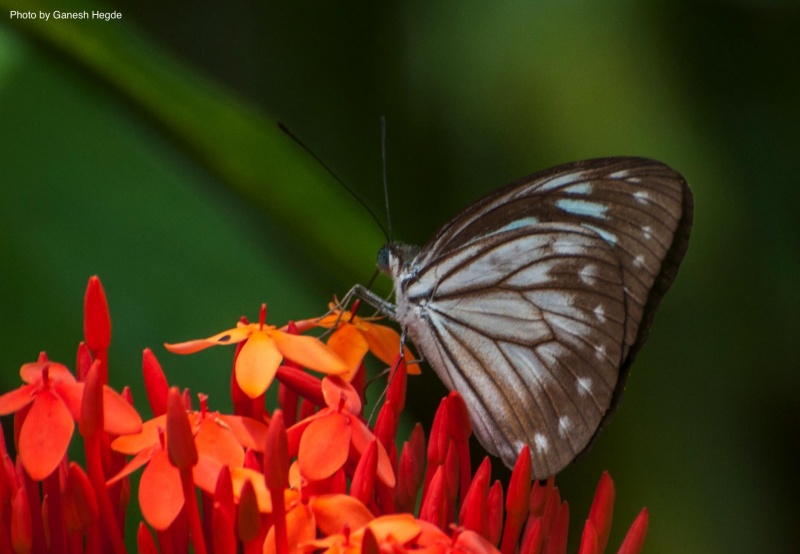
(145, 151)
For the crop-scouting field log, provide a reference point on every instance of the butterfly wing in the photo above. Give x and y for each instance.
(533, 302)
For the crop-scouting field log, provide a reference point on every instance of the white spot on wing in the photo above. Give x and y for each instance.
(641, 196)
(607, 236)
(560, 180)
(582, 208)
(541, 442)
(584, 385)
(619, 174)
(647, 231)
(589, 274)
(638, 261)
(564, 425)
(600, 313)
(600, 352)
(511, 226)
(580, 188)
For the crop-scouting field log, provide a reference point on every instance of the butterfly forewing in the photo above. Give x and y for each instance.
(532, 302)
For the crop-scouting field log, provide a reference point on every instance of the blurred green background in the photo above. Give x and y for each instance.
(145, 150)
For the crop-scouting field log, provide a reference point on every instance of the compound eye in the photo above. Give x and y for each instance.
(383, 258)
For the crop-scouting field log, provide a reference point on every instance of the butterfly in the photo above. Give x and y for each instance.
(533, 302)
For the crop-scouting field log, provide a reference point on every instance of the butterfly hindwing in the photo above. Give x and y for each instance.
(531, 342)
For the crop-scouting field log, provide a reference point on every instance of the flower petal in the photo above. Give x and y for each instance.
(470, 542)
(160, 492)
(256, 364)
(12, 401)
(335, 388)
(148, 436)
(241, 474)
(351, 346)
(309, 352)
(32, 372)
(120, 418)
(231, 336)
(324, 446)
(333, 511)
(45, 435)
(300, 529)
(136, 462)
(401, 527)
(216, 441)
(384, 343)
(72, 395)
(249, 432)
(206, 473)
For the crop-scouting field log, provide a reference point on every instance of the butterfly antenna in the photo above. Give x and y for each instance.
(385, 180)
(302, 145)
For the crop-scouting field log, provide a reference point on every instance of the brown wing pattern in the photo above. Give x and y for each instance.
(524, 333)
(533, 301)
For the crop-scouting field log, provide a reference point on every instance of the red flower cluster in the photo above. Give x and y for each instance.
(309, 476)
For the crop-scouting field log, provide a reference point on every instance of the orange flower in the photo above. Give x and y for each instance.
(354, 336)
(389, 531)
(260, 357)
(219, 439)
(55, 398)
(325, 438)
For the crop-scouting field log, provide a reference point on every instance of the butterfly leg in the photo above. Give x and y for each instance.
(376, 301)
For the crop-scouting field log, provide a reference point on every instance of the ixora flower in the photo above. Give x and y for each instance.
(219, 440)
(332, 482)
(325, 438)
(354, 336)
(258, 360)
(54, 396)
(400, 533)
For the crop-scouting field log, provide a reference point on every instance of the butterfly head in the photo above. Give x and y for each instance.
(394, 256)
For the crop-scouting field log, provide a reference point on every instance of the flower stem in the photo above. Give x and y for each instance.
(55, 521)
(94, 464)
(192, 513)
(35, 508)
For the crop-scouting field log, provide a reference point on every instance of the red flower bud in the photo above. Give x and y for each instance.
(363, 483)
(634, 540)
(557, 540)
(91, 421)
(434, 501)
(80, 503)
(180, 439)
(96, 320)
(494, 513)
(533, 538)
(224, 515)
(473, 510)
(517, 500)
(411, 470)
(21, 524)
(144, 540)
(155, 383)
(396, 391)
(276, 455)
(83, 361)
(249, 520)
(602, 510)
(589, 543)
(307, 386)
